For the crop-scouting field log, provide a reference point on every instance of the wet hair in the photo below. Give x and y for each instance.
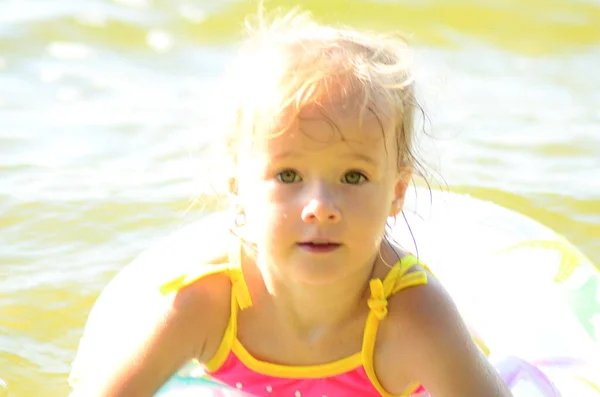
(288, 62)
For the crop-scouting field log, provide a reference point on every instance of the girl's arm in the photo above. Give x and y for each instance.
(132, 319)
(436, 348)
(174, 330)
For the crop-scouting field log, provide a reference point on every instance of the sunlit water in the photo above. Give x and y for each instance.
(103, 109)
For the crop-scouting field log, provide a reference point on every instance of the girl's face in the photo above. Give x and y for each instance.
(317, 197)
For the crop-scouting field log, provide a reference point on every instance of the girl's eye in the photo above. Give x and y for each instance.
(354, 178)
(288, 176)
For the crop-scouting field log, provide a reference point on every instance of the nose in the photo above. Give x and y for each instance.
(320, 210)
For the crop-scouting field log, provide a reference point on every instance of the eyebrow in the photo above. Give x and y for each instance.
(284, 155)
(363, 157)
(352, 156)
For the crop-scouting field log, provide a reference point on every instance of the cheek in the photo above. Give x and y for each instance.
(371, 203)
(268, 211)
(369, 211)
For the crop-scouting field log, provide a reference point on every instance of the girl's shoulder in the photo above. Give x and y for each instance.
(184, 261)
(425, 339)
(147, 336)
(132, 306)
(410, 303)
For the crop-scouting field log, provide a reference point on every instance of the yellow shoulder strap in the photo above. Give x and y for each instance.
(240, 299)
(397, 279)
(239, 289)
(240, 293)
(189, 277)
(404, 279)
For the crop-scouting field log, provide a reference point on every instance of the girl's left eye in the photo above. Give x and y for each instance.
(354, 178)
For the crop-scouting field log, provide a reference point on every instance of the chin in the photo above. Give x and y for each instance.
(318, 273)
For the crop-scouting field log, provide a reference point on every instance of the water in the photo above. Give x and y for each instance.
(103, 109)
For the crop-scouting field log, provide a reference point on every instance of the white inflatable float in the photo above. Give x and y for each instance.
(528, 293)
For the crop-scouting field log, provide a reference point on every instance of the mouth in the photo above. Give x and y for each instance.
(319, 246)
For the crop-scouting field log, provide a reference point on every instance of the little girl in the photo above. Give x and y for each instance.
(314, 299)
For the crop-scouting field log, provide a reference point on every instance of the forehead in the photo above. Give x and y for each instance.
(347, 124)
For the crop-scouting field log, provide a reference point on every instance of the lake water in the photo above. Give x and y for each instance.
(103, 109)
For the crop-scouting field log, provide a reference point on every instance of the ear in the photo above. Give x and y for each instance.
(402, 182)
(233, 192)
(239, 216)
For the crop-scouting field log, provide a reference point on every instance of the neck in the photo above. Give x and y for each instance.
(311, 310)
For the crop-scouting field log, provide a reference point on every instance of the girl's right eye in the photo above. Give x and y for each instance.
(288, 176)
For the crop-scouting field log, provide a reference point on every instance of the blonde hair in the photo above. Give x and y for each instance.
(288, 61)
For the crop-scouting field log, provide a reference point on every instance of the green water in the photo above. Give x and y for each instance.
(103, 109)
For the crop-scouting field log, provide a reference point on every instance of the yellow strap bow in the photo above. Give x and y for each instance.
(378, 302)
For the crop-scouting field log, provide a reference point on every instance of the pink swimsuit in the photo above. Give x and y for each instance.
(350, 376)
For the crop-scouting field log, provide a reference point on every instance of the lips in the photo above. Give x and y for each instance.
(319, 246)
